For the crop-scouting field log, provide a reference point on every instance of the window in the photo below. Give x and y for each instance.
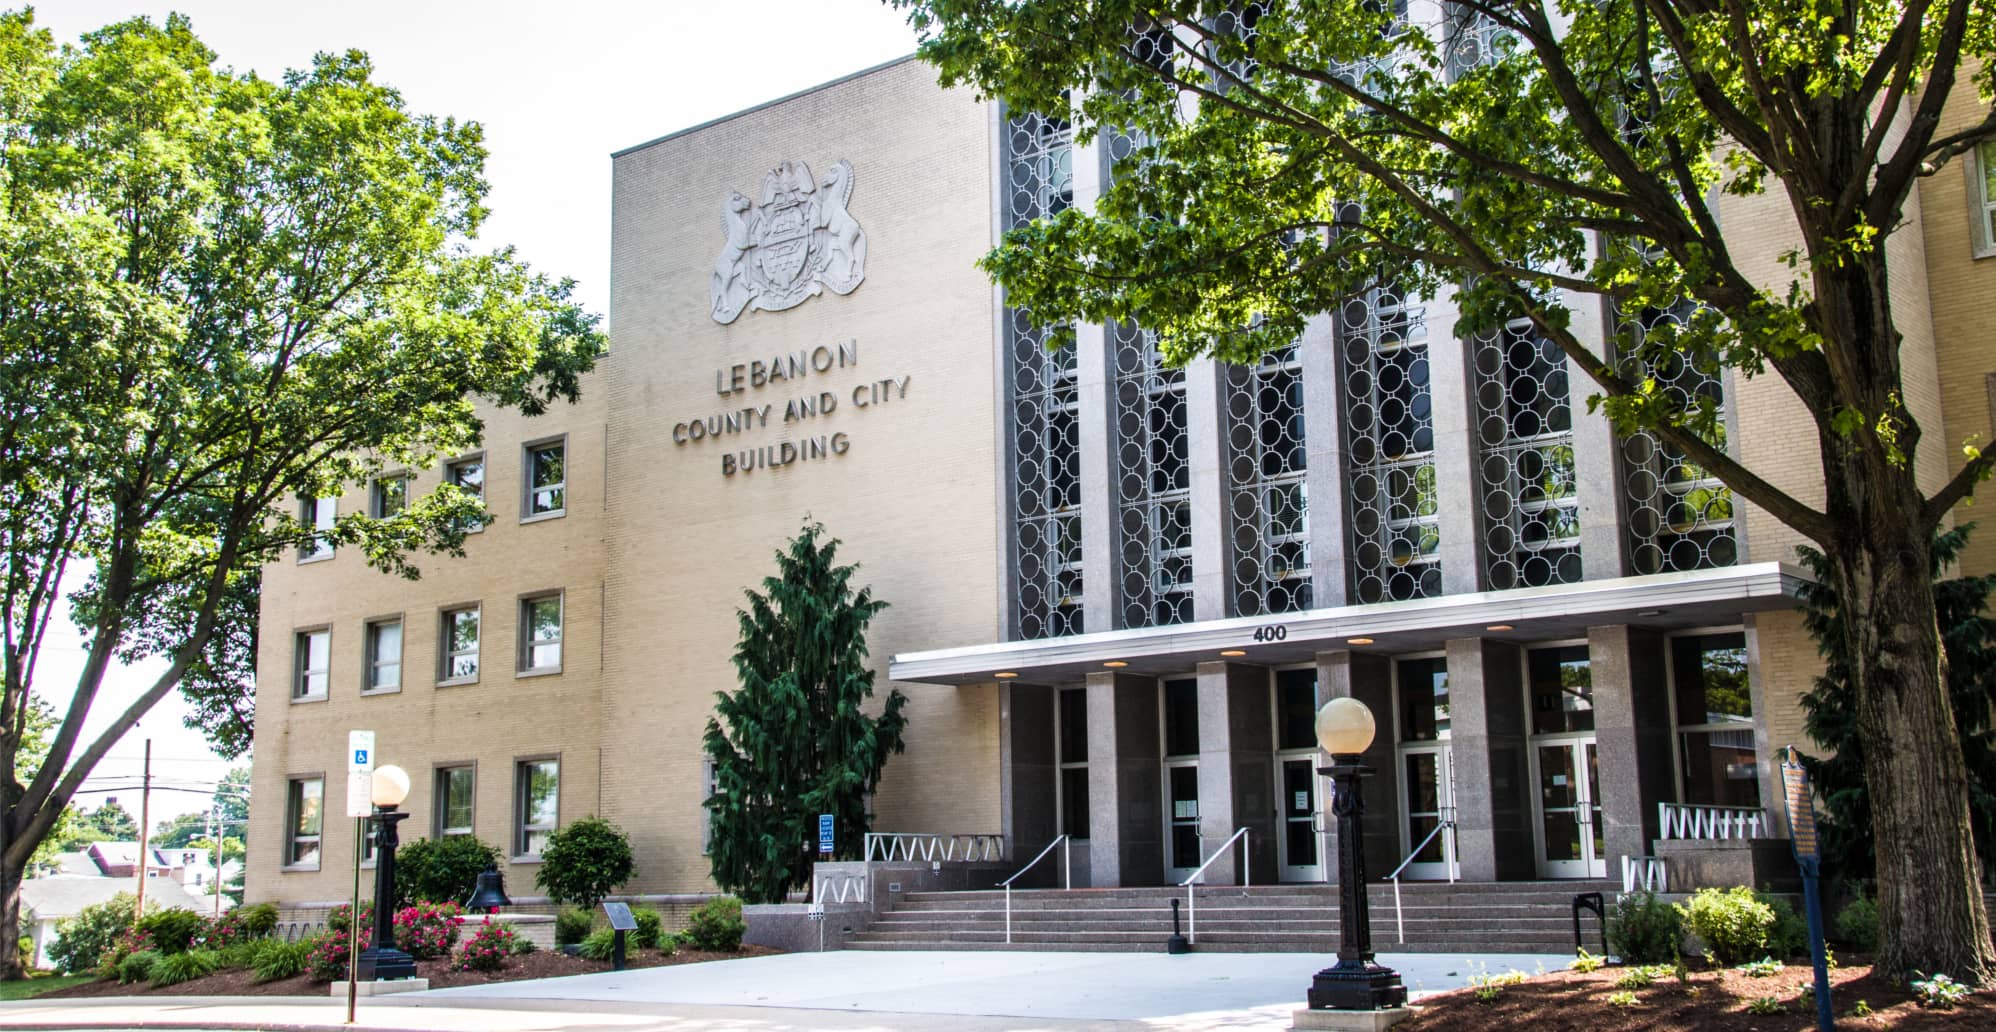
(1181, 718)
(318, 514)
(460, 651)
(389, 496)
(1562, 688)
(455, 791)
(538, 797)
(1982, 198)
(314, 651)
(1424, 700)
(1714, 705)
(547, 476)
(384, 656)
(303, 811)
(1073, 742)
(711, 776)
(468, 475)
(1296, 709)
(540, 634)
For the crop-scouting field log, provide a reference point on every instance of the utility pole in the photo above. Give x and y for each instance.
(215, 837)
(145, 829)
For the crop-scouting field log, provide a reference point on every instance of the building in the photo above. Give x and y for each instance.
(1118, 590)
(180, 878)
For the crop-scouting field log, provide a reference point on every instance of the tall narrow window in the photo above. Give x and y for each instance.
(304, 810)
(540, 634)
(1715, 720)
(1524, 437)
(1154, 483)
(1390, 440)
(1680, 515)
(1562, 689)
(456, 788)
(547, 478)
(1982, 198)
(711, 777)
(537, 792)
(389, 496)
(1266, 462)
(384, 655)
(314, 653)
(317, 513)
(468, 475)
(460, 651)
(1073, 761)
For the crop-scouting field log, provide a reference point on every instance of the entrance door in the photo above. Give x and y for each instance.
(1571, 844)
(1428, 784)
(1302, 850)
(1181, 827)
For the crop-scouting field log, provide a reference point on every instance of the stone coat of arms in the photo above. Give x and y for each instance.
(791, 246)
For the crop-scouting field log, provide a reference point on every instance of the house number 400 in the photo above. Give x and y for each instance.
(1273, 632)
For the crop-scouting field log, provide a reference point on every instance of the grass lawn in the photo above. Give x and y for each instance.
(36, 986)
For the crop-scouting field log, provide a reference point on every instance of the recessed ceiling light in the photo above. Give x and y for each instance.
(1006, 675)
(1233, 652)
(1650, 612)
(1500, 627)
(1358, 641)
(1115, 663)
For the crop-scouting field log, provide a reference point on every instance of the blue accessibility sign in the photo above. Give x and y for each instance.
(825, 833)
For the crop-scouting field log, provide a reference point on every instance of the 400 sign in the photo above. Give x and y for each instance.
(1272, 632)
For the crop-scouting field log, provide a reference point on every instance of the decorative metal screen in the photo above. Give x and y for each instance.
(1524, 435)
(1680, 516)
(1395, 544)
(1471, 38)
(1269, 503)
(1045, 466)
(1153, 483)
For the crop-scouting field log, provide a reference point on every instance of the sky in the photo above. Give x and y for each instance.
(558, 87)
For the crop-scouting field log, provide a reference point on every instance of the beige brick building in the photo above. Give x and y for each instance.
(1118, 590)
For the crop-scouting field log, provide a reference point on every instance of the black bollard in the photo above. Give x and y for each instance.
(1176, 944)
(617, 950)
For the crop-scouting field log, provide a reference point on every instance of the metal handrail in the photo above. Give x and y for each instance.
(932, 847)
(843, 887)
(1067, 876)
(1699, 821)
(1448, 860)
(1191, 908)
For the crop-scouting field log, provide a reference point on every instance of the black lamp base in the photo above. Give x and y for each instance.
(1357, 985)
(382, 965)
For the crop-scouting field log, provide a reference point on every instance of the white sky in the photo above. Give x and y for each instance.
(558, 87)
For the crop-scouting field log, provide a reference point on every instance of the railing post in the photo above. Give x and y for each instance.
(1399, 922)
(1008, 914)
(1191, 914)
(1067, 861)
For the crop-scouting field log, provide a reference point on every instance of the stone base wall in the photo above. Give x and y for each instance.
(1766, 864)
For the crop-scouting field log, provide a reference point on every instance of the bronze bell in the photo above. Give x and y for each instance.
(490, 894)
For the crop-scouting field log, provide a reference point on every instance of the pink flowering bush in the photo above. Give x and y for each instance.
(488, 948)
(328, 960)
(427, 931)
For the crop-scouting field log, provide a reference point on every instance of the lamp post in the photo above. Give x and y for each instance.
(1344, 730)
(382, 961)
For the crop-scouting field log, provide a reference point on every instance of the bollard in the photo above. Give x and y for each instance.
(1176, 944)
(617, 950)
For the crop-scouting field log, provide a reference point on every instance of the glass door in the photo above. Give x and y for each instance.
(1298, 796)
(1429, 789)
(1181, 828)
(1302, 856)
(1571, 844)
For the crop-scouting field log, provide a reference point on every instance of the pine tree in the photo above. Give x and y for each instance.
(1830, 709)
(797, 742)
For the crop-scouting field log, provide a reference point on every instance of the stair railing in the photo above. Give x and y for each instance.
(1191, 910)
(1448, 860)
(1067, 876)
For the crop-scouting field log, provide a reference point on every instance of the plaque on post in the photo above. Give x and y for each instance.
(621, 921)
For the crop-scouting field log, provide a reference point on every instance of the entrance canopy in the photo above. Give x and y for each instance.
(1660, 601)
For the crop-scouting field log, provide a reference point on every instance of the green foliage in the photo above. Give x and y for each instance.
(441, 870)
(341, 918)
(571, 926)
(1766, 967)
(1938, 991)
(113, 822)
(489, 946)
(275, 959)
(1586, 963)
(1766, 1005)
(174, 930)
(185, 966)
(795, 740)
(584, 861)
(599, 944)
(715, 926)
(650, 926)
(1644, 930)
(137, 967)
(1622, 999)
(239, 955)
(1857, 923)
(1734, 923)
(178, 832)
(81, 941)
(1789, 935)
(1636, 978)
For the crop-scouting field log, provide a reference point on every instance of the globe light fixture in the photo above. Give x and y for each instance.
(381, 961)
(1345, 728)
(391, 786)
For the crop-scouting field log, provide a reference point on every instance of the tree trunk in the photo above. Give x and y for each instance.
(1930, 906)
(12, 964)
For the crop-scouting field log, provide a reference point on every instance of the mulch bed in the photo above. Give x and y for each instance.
(538, 964)
(1714, 1000)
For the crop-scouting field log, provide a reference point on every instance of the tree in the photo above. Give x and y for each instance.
(1969, 637)
(176, 832)
(794, 742)
(446, 869)
(112, 822)
(221, 295)
(585, 861)
(1541, 160)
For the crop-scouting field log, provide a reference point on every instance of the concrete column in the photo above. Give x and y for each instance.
(1596, 465)
(1458, 488)
(1027, 775)
(1237, 769)
(1367, 677)
(1324, 441)
(1212, 559)
(1125, 783)
(1773, 795)
(1095, 388)
(1632, 736)
(1493, 806)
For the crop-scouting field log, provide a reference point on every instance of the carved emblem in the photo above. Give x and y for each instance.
(790, 247)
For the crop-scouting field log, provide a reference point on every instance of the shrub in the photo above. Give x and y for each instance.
(1939, 992)
(1622, 999)
(1766, 1005)
(130, 942)
(716, 925)
(275, 959)
(185, 966)
(340, 918)
(1734, 923)
(1857, 924)
(81, 942)
(572, 926)
(239, 954)
(173, 931)
(1789, 935)
(441, 870)
(668, 944)
(137, 967)
(488, 948)
(327, 959)
(650, 927)
(599, 944)
(1635, 978)
(1644, 930)
(1586, 963)
(428, 930)
(241, 925)
(1766, 967)
(585, 861)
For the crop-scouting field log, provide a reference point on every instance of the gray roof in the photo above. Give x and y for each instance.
(64, 895)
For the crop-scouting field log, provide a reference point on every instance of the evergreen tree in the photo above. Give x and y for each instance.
(797, 742)
(1831, 716)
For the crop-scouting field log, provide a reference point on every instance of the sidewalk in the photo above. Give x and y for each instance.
(846, 990)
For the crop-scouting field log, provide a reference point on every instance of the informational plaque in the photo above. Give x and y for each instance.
(620, 917)
(1801, 807)
(825, 834)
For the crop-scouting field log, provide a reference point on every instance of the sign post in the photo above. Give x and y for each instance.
(360, 792)
(1808, 857)
(621, 921)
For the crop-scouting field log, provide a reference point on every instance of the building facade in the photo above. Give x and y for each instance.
(1119, 590)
